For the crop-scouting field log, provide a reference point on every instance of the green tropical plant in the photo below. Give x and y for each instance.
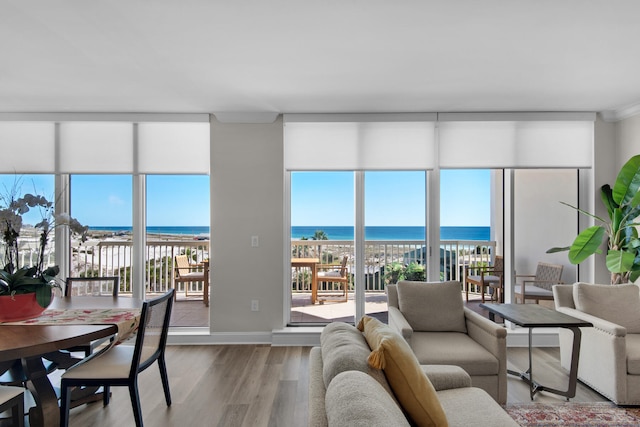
(618, 232)
(396, 272)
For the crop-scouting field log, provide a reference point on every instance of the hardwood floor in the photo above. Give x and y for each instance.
(259, 385)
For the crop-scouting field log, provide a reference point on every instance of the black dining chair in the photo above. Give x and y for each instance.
(120, 365)
(92, 286)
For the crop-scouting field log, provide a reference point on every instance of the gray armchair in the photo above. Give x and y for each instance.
(441, 331)
(610, 350)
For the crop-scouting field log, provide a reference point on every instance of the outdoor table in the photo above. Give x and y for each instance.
(68, 322)
(312, 263)
(536, 316)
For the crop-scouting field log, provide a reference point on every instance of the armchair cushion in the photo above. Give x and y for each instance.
(633, 354)
(434, 307)
(412, 388)
(618, 304)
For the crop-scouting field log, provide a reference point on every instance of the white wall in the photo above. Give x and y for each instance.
(628, 140)
(247, 182)
(541, 221)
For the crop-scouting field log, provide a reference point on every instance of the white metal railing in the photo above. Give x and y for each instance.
(381, 255)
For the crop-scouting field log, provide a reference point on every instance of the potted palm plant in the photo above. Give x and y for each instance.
(618, 231)
(26, 290)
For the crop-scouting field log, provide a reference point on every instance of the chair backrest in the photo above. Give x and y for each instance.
(151, 338)
(548, 275)
(343, 266)
(182, 265)
(498, 263)
(92, 286)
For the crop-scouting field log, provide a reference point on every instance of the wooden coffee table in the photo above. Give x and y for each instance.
(536, 316)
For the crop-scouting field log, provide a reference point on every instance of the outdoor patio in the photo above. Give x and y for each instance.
(192, 312)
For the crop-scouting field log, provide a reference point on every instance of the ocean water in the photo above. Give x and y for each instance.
(335, 232)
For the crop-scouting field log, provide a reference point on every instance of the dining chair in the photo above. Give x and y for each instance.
(107, 286)
(120, 365)
(92, 286)
(538, 286)
(12, 398)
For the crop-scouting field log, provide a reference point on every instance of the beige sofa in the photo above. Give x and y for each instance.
(440, 330)
(345, 391)
(610, 350)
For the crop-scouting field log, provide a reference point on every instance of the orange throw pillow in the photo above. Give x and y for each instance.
(412, 388)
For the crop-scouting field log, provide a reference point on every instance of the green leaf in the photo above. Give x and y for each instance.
(634, 276)
(628, 181)
(43, 296)
(607, 199)
(586, 244)
(620, 261)
(557, 249)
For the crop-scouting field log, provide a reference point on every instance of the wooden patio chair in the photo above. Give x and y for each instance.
(189, 273)
(538, 286)
(484, 277)
(331, 273)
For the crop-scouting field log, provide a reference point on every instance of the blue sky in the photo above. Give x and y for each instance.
(318, 198)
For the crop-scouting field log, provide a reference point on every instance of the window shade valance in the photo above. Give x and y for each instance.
(334, 142)
(105, 147)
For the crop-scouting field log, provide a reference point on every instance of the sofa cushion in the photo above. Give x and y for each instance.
(619, 304)
(355, 399)
(633, 353)
(344, 348)
(472, 406)
(432, 306)
(410, 385)
(454, 348)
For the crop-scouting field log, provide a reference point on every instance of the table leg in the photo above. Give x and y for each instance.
(314, 283)
(46, 412)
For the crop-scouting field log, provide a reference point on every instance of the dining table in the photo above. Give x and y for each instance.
(66, 323)
(311, 263)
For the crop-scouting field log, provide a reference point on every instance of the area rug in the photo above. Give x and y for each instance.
(573, 414)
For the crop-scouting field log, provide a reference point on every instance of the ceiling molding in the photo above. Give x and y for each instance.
(624, 113)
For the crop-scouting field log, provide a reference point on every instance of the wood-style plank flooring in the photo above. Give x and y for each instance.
(259, 385)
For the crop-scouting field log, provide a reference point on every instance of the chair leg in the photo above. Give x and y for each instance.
(165, 379)
(135, 403)
(106, 394)
(65, 404)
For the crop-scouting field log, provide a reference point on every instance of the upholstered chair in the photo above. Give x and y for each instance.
(610, 350)
(441, 331)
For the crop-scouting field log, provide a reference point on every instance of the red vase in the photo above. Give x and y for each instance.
(19, 307)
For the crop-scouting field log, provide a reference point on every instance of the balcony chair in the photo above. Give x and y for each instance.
(486, 277)
(12, 398)
(328, 273)
(191, 273)
(610, 350)
(538, 286)
(441, 331)
(107, 286)
(120, 365)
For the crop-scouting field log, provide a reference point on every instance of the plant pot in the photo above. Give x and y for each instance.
(19, 307)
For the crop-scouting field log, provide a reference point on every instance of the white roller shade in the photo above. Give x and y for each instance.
(27, 147)
(516, 144)
(173, 148)
(96, 147)
(334, 144)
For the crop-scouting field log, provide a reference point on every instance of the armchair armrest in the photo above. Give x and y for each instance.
(398, 322)
(598, 323)
(446, 377)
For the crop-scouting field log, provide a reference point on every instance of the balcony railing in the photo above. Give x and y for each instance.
(113, 258)
(381, 255)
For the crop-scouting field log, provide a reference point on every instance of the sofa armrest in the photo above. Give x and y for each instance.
(563, 296)
(445, 377)
(317, 411)
(398, 322)
(598, 323)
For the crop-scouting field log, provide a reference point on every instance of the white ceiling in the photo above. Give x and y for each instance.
(319, 56)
